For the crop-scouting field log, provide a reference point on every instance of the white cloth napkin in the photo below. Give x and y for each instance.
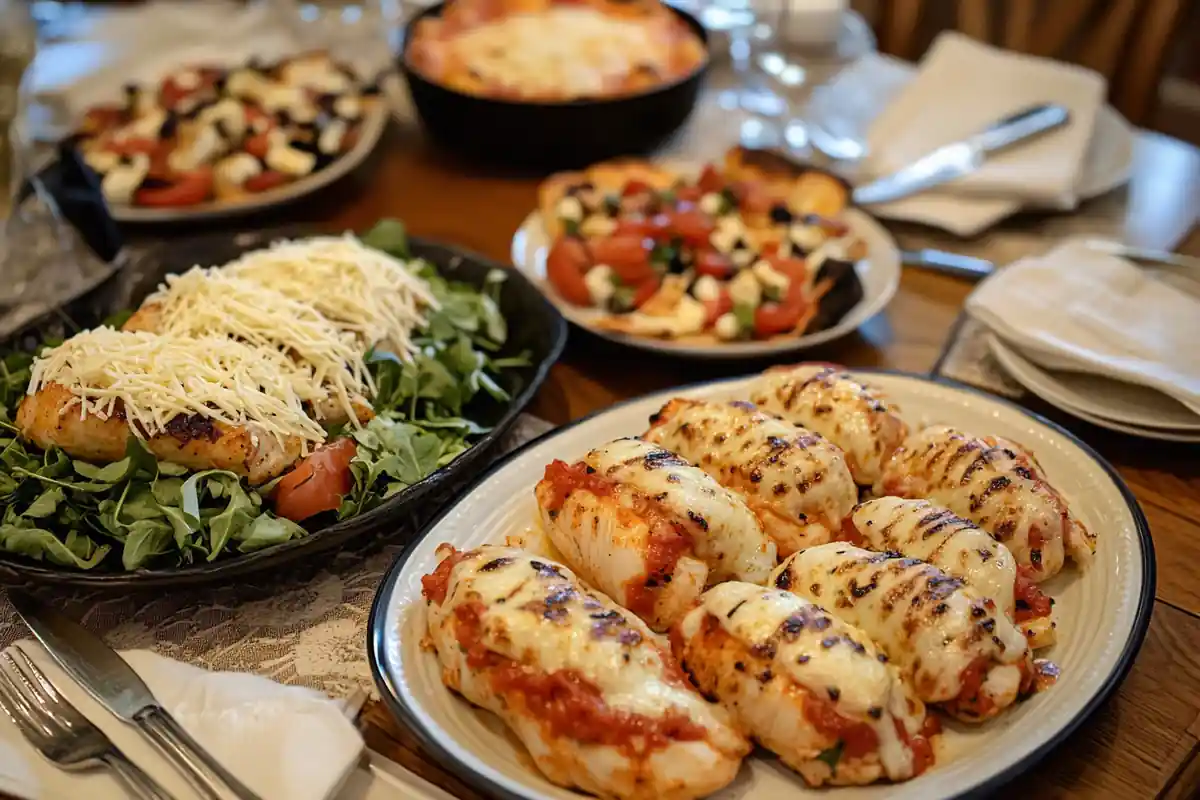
(1075, 309)
(284, 742)
(962, 87)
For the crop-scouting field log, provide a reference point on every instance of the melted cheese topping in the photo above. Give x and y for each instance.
(858, 418)
(156, 378)
(920, 529)
(796, 481)
(573, 51)
(995, 487)
(631, 677)
(931, 625)
(724, 532)
(819, 652)
(363, 290)
(203, 302)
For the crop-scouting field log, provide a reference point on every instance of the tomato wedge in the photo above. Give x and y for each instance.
(264, 181)
(775, 318)
(645, 291)
(258, 145)
(191, 188)
(566, 263)
(693, 226)
(688, 194)
(646, 226)
(752, 197)
(714, 264)
(635, 186)
(318, 483)
(627, 255)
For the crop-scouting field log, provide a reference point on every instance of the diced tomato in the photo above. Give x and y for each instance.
(688, 194)
(627, 255)
(715, 309)
(102, 118)
(921, 747)
(970, 697)
(258, 145)
(795, 268)
(858, 738)
(693, 226)
(771, 319)
(435, 584)
(769, 250)
(714, 264)
(189, 189)
(711, 180)
(566, 264)
(171, 93)
(645, 291)
(263, 181)
(318, 483)
(635, 187)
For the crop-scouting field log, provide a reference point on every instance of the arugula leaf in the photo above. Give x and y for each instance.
(147, 538)
(390, 236)
(46, 503)
(268, 531)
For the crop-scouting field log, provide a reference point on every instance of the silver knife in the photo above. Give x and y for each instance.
(962, 158)
(973, 269)
(106, 676)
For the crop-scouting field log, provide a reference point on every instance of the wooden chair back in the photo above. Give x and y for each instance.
(1127, 41)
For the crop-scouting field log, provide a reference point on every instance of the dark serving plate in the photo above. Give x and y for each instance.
(534, 327)
(549, 136)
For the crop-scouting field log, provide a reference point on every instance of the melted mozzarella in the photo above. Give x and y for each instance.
(121, 181)
(793, 479)
(802, 644)
(239, 168)
(856, 417)
(290, 161)
(920, 529)
(205, 147)
(930, 624)
(632, 677)
(725, 533)
(996, 487)
(330, 140)
(688, 318)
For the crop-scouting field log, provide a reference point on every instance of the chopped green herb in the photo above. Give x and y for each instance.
(570, 226)
(745, 318)
(831, 756)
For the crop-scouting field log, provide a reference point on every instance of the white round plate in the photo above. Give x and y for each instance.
(373, 125)
(1101, 401)
(879, 273)
(1102, 614)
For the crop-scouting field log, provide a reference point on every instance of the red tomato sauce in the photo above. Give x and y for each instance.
(572, 707)
(851, 534)
(667, 544)
(1030, 601)
(858, 738)
(566, 478)
(920, 745)
(970, 698)
(435, 584)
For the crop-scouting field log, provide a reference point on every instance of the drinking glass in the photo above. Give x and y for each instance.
(358, 31)
(18, 43)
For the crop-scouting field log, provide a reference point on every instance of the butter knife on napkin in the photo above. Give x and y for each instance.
(106, 676)
(961, 158)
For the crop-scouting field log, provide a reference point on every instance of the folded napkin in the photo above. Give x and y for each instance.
(283, 742)
(962, 87)
(1075, 309)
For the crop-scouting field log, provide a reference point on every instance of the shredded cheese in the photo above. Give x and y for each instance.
(361, 289)
(157, 377)
(203, 302)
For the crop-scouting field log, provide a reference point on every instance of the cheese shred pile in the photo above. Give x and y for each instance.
(275, 340)
(157, 377)
(361, 289)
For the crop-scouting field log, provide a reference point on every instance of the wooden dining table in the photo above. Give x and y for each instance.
(1145, 740)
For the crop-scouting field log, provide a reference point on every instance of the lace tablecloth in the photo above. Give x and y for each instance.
(305, 626)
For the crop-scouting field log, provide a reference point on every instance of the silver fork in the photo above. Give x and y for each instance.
(57, 729)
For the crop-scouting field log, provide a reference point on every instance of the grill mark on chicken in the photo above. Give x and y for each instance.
(186, 428)
(657, 459)
(496, 564)
(997, 484)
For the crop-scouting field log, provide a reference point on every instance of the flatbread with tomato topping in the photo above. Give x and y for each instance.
(751, 247)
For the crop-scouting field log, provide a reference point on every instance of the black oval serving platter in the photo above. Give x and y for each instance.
(535, 327)
(547, 136)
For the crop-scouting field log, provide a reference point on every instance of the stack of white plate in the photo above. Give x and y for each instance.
(1112, 404)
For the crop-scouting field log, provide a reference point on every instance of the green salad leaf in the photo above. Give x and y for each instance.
(144, 512)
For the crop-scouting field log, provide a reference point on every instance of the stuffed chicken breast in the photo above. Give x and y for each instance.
(795, 480)
(936, 535)
(599, 704)
(998, 486)
(951, 646)
(649, 529)
(805, 685)
(855, 416)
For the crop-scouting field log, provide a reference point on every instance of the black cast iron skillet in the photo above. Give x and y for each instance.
(534, 327)
(547, 136)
